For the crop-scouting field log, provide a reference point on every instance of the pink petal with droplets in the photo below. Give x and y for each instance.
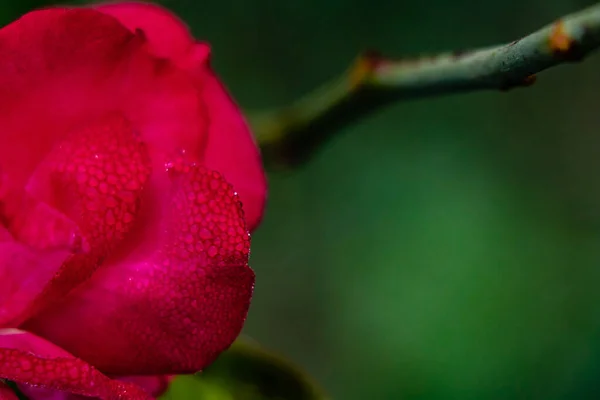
(24, 272)
(71, 68)
(28, 359)
(67, 66)
(181, 299)
(96, 176)
(231, 148)
(154, 385)
(172, 305)
(57, 66)
(91, 183)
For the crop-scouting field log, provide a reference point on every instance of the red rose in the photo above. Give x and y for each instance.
(123, 245)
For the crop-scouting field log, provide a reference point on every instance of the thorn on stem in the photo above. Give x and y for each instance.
(528, 81)
(565, 47)
(560, 42)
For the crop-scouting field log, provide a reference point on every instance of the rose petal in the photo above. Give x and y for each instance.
(30, 360)
(171, 306)
(155, 385)
(70, 66)
(231, 148)
(39, 393)
(39, 241)
(92, 181)
(62, 69)
(96, 176)
(168, 36)
(24, 272)
(54, 60)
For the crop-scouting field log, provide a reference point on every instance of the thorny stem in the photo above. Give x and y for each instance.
(289, 135)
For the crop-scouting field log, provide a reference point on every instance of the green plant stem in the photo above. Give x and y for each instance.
(289, 135)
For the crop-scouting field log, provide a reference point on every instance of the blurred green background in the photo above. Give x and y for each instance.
(440, 249)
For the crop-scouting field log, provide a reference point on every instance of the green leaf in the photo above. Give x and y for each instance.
(246, 372)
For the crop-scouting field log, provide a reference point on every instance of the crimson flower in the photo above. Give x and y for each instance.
(124, 167)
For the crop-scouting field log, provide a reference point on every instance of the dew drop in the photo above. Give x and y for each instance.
(212, 251)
